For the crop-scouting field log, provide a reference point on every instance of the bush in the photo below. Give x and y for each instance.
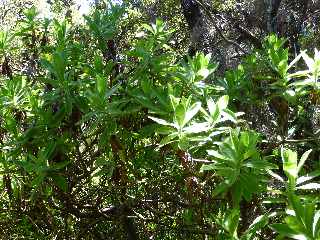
(102, 142)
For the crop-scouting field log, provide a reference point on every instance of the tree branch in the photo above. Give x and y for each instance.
(206, 9)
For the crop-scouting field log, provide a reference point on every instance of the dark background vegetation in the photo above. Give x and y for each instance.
(149, 119)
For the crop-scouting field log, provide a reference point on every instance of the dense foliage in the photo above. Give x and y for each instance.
(110, 130)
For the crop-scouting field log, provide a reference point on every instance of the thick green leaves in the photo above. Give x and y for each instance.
(239, 163)
(60, 181)
(289, 158)
(292, 168)
(191, 112)
(286, 231)
(302, 221)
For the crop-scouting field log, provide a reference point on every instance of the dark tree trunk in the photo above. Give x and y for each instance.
(273, 14)
(298, 12)
(191, 12)
(6, 69)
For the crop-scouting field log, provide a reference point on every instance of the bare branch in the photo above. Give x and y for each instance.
(206, 9)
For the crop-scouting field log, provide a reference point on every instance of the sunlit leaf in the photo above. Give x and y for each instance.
(223, 102)
(303, 159)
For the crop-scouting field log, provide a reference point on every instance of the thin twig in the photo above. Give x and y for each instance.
(201, 160)
(300, 140)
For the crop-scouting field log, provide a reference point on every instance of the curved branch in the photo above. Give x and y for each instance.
(206, 9)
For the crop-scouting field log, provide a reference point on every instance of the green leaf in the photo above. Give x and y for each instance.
(309, 186)
(204, 73)
(147, 103)
(294, 61)
(257, 224)
(231, 222)
(303, 159)
(308, 60)
(308, 177)
(168, 139)
(273, 200)
(207, 167)
(60, 165)
(298, 208)
(316, 224)
(221, 188)
(284, 230)
(162, 121)
(148, 27)
(196, 128)
(38, 181)
(276, 176)
(250, 184)
(29, 167)
(217, 155)
(298, 74)
(164, 130)
(101, 84)
(180, 114)
(283, 67)
(174, 101)
(229, 115)
(223, 102)
(289, 159)
(261, 165)
(61, 182)
(213, 110)
(183, 143)
(237, 192)
(191, 112)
